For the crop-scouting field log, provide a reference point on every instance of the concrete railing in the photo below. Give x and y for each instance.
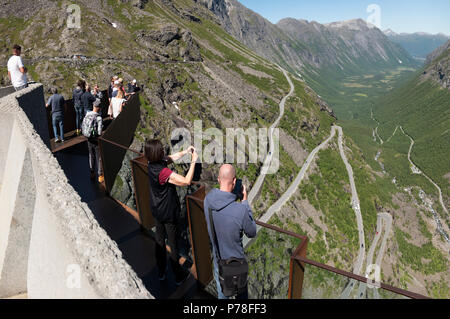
(4, 91)
(51, 246)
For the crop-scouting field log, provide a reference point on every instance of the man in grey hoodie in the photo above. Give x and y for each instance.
(231, 221)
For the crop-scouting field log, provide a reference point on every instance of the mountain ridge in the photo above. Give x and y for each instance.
(418, 44)
(285, 44)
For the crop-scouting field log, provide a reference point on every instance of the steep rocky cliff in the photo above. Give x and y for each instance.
(438, 66)
(299, 44)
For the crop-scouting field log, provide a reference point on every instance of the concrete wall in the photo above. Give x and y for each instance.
(4, 91)
(6, 123)
(33, 104)
(51, 246)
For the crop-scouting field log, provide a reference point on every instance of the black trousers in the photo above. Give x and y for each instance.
(170, 231)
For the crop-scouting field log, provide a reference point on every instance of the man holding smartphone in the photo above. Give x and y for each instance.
(231, 220)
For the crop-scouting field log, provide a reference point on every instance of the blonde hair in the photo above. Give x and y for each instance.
(120, 94)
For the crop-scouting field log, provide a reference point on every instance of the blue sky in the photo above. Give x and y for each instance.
(432, 16)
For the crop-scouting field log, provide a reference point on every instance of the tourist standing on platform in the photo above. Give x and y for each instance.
(115, 90)
(165, 204)
(133, 88)
(92, 128)
(17, 72)
(117, 104)
(57, 103)
(111, 86)
(97, 93)
(119, 88)
(229, 221)
(78, 104)
(88, 100)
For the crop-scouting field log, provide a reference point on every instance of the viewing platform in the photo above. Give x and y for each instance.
(65, 236)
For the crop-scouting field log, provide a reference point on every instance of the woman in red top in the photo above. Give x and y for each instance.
(165, 203)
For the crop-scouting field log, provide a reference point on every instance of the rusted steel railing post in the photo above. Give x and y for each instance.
(297, 271)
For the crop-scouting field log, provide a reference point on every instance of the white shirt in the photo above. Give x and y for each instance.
(116, 104)
(17, 78)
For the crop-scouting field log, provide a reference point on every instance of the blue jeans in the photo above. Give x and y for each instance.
(58, 120)
(220, 295)
(79, 115)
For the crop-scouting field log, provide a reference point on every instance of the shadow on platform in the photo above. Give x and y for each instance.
(137, 247)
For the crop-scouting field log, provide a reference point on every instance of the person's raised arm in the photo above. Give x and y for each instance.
(183, 181)
(175, 157)
(48, 102)
(249, 224)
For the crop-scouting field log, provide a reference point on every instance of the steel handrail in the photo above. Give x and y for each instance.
(304, 240)
(120, 146)
(362, 279)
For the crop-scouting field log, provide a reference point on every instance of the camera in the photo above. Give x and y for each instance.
(239, 189)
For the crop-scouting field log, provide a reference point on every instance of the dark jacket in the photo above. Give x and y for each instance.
(164, 202)
(77, 93)
(133, 88)
(88, 100)
(231, 221)
(110, 91)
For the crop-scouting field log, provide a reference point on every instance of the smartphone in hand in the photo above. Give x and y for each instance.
(239, 189)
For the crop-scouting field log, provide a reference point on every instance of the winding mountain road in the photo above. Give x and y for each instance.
(375, 131)
(357, 209)
(387, 218)
(294, 186)
(269, 158)
(355, 199)
(393, 134)
(416, 170)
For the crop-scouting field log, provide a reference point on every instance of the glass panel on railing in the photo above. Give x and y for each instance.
(269, 263)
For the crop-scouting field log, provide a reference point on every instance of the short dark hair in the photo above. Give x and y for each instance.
(154, 151)
(17, 47)
(81, 84)
(54, 90)
(97, 104)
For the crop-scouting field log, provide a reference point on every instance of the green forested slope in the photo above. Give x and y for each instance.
(423, 109)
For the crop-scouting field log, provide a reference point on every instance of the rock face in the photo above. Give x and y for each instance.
(340, 42)
(438, 66)
(298, 42)
(170, 41)
(218, 7)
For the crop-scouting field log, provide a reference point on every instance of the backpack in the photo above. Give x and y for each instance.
(89, 127)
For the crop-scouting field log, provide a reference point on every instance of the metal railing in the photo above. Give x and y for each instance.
(200, 243)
